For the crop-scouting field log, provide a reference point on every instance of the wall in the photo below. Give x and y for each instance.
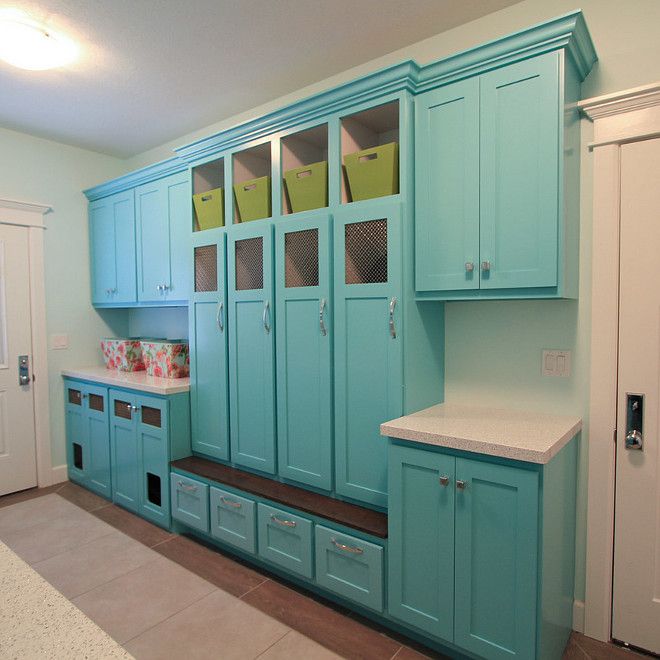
(37, 170)
(167, 322)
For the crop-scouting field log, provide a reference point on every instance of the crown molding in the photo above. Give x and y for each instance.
(23, 214)
(136, 178)
(618, 103)
(29, 207)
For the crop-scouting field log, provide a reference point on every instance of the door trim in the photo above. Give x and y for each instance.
(618, 119)
(31, 216)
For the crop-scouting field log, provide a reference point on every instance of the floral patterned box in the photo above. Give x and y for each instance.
(122, 354)
(166, 358)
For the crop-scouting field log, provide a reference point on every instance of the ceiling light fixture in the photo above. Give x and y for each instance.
(28, 45)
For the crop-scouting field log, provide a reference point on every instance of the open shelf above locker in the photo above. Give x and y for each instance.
(208, 183)
(374, 173)
(252, 183)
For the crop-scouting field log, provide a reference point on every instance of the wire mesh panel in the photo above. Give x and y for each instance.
(151, 416)
(75, 397)
(123, 409)
(96, 402)
(366, 252)
(206, 268)
(250, 263)
(301, 258)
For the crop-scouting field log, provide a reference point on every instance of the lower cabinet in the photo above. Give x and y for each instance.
(233, 519)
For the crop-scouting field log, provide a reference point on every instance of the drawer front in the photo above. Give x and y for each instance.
(233, 519)
(190, 502)
(350, 567)
(285, 539)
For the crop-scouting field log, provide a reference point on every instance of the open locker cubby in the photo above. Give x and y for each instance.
(364, 130)
(207, 179)
(302, 150)
(248, 166)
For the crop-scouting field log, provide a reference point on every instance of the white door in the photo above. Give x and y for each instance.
(18, 467)
(636, 604)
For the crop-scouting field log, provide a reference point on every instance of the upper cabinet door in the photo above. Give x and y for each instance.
(179, 209)
(447, 188)
(251, 345)
(304, 349)
(112, 249)
(368, 345)
(209, 393)
(520, 148)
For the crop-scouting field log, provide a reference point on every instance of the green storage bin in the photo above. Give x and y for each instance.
(373, 172)
(210, 208)
(307, 186)
(253, 199)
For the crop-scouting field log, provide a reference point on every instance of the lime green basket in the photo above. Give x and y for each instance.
(253, 199)
(307, 186)
(373, 172)
(210, 208)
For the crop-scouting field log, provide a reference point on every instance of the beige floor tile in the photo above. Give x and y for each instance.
(218, 626)
(78, 570)
(47, 539)
(295, 645)
(32, 512)
(137, 601)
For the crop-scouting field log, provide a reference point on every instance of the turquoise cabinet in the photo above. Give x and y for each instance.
(207, 316)
(233, 519)
(112, 249)
(190, 502)
(368, 344)
(304, 341)
(251, 345)
(497, 514)
(163, 221)
(493, 213)
(87, 436)
(421, 539)
(125, 450)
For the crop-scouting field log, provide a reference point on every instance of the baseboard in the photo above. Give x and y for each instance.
(58, 474)
(578, 616)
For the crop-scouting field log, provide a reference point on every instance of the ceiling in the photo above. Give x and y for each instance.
(152, 70)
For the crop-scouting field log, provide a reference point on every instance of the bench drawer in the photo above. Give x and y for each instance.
(350, 567)
(233, 519)
(285, 539)
(190, 502)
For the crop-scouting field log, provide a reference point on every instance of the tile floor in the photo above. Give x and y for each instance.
(161, 595)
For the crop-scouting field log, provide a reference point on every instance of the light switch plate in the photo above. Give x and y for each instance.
(59, 342)
(556, 363)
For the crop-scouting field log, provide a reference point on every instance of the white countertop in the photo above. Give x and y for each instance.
(514, 434)
(133, 380)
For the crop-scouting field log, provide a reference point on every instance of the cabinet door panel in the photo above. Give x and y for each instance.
(208, 347)
(421, 518)
(447, 188)
(251, 346)
(520, 120)
(98, 437)
(76, 437)
(124, 451)
(368, 354)
(304, 350)
(496, 560)
(102, 250)
(124, 215)
(179, 210)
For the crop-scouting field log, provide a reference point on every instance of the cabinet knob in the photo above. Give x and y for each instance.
(444, 480)
(460, 484)
(469, 266)
(485, 266)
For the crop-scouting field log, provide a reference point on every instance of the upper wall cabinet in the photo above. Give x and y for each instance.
(112, 249)
(494, 217)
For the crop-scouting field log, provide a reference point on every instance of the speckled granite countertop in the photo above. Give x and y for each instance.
(37, 621)
(133, 380)
(518, 435)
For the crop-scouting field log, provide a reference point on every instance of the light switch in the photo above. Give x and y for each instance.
(556, 363)
(59, 342)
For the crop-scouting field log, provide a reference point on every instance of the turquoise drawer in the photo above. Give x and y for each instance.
(350, 567)
(233, 520)
(190, 502)
(285, 539)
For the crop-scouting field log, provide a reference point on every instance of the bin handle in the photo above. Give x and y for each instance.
(252, 186)
(367, 157)
(224, 500)
(347, 548)
(281, 521)
(304, 173)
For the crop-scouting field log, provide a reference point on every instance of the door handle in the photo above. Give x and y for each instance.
(266, 317)
(23, 370)
(324, 330)
(635, 421)
(392, 326)
(219, 317)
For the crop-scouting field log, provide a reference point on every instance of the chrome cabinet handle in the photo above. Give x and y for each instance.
(285, 523)
(219, 317)
(187, 487)
(236, 505)
(469, 266)
(135, 408)
(392, 326)
(444, 480)
(485, 266)
(266, 317)
(324, 330)
(347, 548)
(460, 484)
(159, 288)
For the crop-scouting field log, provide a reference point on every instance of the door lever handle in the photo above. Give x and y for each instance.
(634, 421)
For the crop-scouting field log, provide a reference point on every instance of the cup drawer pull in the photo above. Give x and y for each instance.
(347, 548)
(236, 505)
(284, 523)
(187, 487)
